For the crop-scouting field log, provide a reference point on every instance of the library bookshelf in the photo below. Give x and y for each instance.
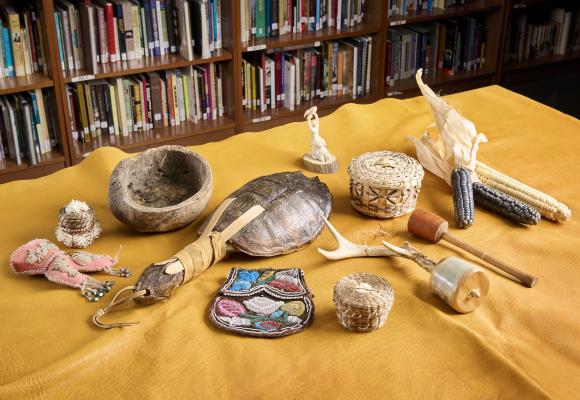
(236, 119)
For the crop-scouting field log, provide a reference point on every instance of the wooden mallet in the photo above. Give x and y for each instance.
(434, 228)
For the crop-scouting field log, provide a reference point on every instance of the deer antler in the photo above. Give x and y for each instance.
(348, 249)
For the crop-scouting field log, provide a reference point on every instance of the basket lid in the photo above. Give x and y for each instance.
(364, 292)
(387, 169)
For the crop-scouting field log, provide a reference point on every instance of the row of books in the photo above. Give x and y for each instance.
(21, 42)
(124, 30)
(25, 132)
(449, 46)
(531, 38)
(403, 7)
(269, 18)
(286, 79)
(143, 102)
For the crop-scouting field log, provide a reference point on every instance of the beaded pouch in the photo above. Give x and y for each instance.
(263, 303)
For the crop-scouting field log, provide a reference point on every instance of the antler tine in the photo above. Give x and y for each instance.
(408, 251)
(398, 250)
(348, 249)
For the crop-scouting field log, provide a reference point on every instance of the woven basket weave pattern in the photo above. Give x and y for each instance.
(385, 184)
(77, 223)
(363, 301)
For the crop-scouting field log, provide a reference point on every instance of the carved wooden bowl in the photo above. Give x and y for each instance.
(162, 189)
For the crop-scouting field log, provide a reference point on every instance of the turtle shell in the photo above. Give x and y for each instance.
(294, 207)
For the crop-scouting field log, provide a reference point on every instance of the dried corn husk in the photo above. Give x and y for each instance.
(457, 146)
(458, 140)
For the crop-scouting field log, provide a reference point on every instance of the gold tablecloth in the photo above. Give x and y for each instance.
(521, 343)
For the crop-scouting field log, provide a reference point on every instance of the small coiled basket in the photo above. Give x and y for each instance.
(384, 184)
(363, 301)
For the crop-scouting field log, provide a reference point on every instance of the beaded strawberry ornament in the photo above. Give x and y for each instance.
(42, 257)
(263, 303)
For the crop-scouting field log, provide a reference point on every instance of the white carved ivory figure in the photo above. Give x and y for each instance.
(319, 151)
(319, 159)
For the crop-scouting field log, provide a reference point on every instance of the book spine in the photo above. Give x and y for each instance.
(150, 44)
(260, 18)
(60, 42)
(114, 108)
(128, 31)
(31, 41)
(137, 37)
(103, 37)
(120, 34)
(8, 59)
(170, 22)
(113, 50)
(218, 24)
(16, 43)
(155, 28)
(163, 29)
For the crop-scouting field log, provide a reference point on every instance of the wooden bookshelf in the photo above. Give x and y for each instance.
(545, 61)
(170, 61)
(256, 120)
(22, 84)
(477, 7)
(376, 24)
(10, 170)
(157, 137)
(510, 72)
(309, 38)
(446, 83)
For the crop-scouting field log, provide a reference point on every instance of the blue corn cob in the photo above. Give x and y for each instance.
(504, 205)
(462, 197)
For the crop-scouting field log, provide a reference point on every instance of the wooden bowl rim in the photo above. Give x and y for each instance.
(126, 164)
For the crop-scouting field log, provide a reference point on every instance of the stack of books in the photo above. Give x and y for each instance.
(403, 7)
(269, 18)
(288, 78)
(135, 103)
(22, 45)
(449, 46)
(27, 135)
(124, 30)
(535, 37)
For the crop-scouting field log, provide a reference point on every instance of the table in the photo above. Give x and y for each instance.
(521, 343)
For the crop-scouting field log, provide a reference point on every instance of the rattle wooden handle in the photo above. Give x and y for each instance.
(526, 279)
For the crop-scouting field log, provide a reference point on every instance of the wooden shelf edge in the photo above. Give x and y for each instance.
(304, 38)
(8, 167)
(123, 68)
(26, 83)
(409, 86)
(481, 6)
(556, 59)
(155, 137)
(253, 117)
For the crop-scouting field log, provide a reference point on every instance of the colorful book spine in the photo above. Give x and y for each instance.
(7, 53)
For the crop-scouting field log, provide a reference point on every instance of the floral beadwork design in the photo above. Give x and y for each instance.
(259, 312)
(264, 303)
(36, 254)
(285, 280)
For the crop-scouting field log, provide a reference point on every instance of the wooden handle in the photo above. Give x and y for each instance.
(527, 280)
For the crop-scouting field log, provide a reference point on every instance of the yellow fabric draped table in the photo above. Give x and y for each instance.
(521, 343)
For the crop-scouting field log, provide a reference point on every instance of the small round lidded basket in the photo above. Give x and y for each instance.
(77, 225)
(363, 301)
(385, 184)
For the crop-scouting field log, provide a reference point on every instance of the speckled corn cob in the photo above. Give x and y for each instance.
(504, 205)
(548, 206)
(462, 197)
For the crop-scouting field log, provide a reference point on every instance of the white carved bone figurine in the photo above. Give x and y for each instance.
(319, 159)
